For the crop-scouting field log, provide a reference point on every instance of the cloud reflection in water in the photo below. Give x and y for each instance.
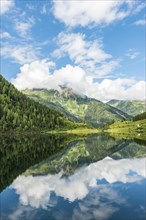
(35, 191)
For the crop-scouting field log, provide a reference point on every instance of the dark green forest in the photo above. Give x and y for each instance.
(18, 112)
(140, 116)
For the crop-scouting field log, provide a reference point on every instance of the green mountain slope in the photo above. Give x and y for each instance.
(18, 112)
(132, 108)
(86, 109)
(128, 129)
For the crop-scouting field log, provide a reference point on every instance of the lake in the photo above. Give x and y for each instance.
(71, 177)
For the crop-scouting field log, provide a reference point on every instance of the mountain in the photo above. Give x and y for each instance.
(81, 107)
(132, 108)
(18, 112)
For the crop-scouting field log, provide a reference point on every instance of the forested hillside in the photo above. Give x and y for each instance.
(140, 117)
(18, 112)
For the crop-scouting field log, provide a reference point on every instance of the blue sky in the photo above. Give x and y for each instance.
(95, 47)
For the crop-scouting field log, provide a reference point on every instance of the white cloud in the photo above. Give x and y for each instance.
(107, 67)
(84, 13)
(87, 54)
(15, 48)
(140, 22)
(20, 54)
(94, 207)
(120, 89)
(23, 27)
(69, 75)
(139, 7)
(5, 6)
(34, 75)
(19, 213)
(132, 54)
(4, 35)
(38, 75)
(79, 185)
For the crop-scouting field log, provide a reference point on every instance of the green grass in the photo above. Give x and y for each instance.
(127, 129)
(128, 125)
(74, 131)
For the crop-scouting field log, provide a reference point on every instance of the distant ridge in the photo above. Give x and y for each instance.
(132, 108)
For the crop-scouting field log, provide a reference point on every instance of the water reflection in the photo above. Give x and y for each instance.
(72, 177)
(78, 185)
(52, 154)
(18, 153)
(89, 150)
(97, 191)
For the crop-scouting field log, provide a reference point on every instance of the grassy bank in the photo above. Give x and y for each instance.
(77, 131)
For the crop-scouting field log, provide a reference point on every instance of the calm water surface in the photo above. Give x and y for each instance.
(69, 177)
